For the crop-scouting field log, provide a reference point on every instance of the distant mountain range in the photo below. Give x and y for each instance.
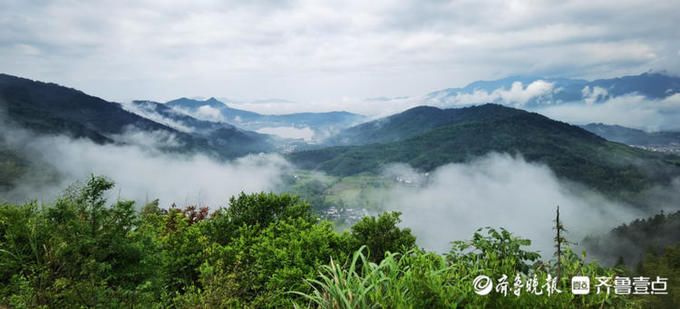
(517, 91)
(424, 137)
(48, 108)
(216, 110)
(635, 137)
(460, 135)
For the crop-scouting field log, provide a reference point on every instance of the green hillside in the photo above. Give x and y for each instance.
(415, 121)
(569, 151)
(48, 108)
(628, 243)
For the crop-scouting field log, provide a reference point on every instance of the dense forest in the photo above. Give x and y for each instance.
(461, 135)
(630, 243)
(268, 250)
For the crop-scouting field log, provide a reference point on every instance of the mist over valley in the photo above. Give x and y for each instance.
(448, 170)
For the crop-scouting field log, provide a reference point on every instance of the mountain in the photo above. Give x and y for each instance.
(630, 242)
(48, 108)
(559, 90)
(217, 110)
(571, 152)
(166, 115)
(229, 114)
(218, 134)
(635, 137)
(413, 122)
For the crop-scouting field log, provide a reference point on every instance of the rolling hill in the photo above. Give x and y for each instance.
(571, 152)
(412, 122)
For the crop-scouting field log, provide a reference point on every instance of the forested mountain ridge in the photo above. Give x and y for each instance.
(634, 239)
(48, 108)
(570, 151)
(219, 134)
(415, 121)
(51, 108)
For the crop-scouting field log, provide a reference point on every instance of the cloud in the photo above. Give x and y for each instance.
(499, 190)
(631, 110)
(518, 95)
(447, 204)
(140, 173)
(148, 140)
(594, 95)
(311, 51)
(289, 132)
(156, 117)
(363, 106)
(207, 112)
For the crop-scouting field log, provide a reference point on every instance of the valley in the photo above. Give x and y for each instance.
(436, 167)
(339, 155)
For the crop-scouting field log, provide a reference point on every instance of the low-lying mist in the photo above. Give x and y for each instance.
(447, 204)
(632, 110)
(141, 172)
(500, 190)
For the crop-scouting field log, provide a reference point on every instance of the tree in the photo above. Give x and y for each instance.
(560, 241)
(382, 235)
(259, 209)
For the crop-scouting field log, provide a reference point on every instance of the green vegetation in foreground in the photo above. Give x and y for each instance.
(263, 251)
(569, 151)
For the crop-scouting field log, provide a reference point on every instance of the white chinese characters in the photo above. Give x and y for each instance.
(580, 285)
(483, 285)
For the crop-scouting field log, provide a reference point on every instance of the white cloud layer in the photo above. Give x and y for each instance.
(207, 112)
(632, 111)
(318, 51)
(594, 95)
(502, 191)
(517, 95)
(289, 132)
(140, 173)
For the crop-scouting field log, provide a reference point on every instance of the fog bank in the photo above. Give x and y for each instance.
(141, 172)
(498, 190)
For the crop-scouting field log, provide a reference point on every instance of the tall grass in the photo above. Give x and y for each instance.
(420, 279)
(399, 280)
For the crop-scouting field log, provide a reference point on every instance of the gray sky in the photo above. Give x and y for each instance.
(327, 52)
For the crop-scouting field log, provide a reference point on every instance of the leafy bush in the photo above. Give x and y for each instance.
(265, 250)
(419, 279)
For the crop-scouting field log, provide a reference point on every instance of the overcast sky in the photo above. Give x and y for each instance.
(317, 52)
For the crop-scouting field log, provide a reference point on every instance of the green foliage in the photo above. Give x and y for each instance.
(629, 243)
(264, 251)
(258, 267)
(569, 151)
(255, 210)
(381, 235)
(419, 279)
(497, 250)
(76, 252)
(414, 280)
(666, 265)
